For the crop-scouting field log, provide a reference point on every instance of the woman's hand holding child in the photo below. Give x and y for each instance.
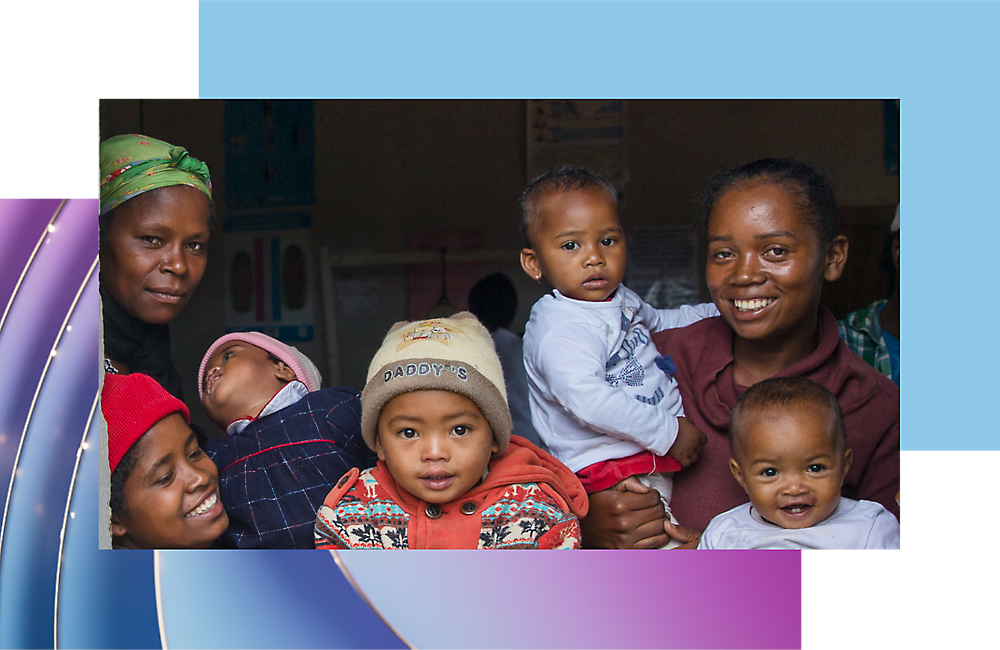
(627, 515)
(689, 536)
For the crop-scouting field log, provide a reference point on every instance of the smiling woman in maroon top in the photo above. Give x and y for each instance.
(772, 243)
(155, 211)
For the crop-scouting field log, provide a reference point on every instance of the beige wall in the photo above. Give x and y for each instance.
(388, 169)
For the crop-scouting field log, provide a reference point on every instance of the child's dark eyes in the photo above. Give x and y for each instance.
(461, 430)
(151, 240)
(770, 471)
(198, 247)
(165, 480)
(570, 246)
(722, 255)
(609, 241)
(196, 454)
(408, 434)
(815, 468)
(777, 251)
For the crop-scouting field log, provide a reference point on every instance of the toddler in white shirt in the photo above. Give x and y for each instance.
(602, 398)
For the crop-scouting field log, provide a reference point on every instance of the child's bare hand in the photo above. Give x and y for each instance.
(631, 484)
(688, 444)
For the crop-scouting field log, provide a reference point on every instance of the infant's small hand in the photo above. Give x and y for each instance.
(688, 444)
(631, 484)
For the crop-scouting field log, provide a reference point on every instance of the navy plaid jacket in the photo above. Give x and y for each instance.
(274, 475)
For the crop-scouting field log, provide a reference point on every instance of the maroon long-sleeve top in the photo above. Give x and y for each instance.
(703, 353)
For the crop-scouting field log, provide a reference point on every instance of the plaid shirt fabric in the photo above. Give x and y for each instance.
(862, 331)
(274, 475)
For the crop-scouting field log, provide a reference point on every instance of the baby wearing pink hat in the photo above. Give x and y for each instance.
(286, 444)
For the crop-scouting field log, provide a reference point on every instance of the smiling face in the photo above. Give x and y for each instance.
(240, 379)
(790, 466)
(172, 495)
(155, 250)
(766, 264)
(577, 244)
(436, 443)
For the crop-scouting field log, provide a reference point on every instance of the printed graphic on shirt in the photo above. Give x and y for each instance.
(623, 369)
(521, 520)
(363, 518)
(654, 400)
(665, 362)
(635, 339)
(631, 375)
(524, 516)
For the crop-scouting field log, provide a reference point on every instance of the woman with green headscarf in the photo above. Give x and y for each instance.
(156, 203)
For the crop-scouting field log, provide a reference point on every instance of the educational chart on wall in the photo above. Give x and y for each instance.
(269, 276)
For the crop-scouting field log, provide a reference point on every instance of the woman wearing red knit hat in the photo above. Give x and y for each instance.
(164, 488)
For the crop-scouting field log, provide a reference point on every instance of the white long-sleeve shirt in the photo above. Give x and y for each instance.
(596, 390)
(853, 525)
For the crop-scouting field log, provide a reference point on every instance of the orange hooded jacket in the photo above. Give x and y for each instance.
(528, 500)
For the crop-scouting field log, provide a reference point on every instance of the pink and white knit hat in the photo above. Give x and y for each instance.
(304, 369)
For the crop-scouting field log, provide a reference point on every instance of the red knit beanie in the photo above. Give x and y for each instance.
(132, 404)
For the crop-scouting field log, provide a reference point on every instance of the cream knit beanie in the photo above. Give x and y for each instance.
(455, 354)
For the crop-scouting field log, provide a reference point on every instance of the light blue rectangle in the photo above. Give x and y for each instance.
(942, 59)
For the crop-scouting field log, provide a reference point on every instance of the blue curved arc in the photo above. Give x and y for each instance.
(34, 399)
(27, 264)
(305, 600)
(45, 463)
(36, 319)
(105, 597)
(354, 583)
(66, 513)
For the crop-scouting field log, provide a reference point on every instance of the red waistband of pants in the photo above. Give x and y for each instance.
(601, 476)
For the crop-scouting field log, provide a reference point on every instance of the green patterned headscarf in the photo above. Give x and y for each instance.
(133, 164)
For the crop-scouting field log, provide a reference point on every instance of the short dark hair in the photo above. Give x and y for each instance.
(122, 471)
(564, 178)
(808, 187)
(784, 392)
(275, 360)
(493, 300)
